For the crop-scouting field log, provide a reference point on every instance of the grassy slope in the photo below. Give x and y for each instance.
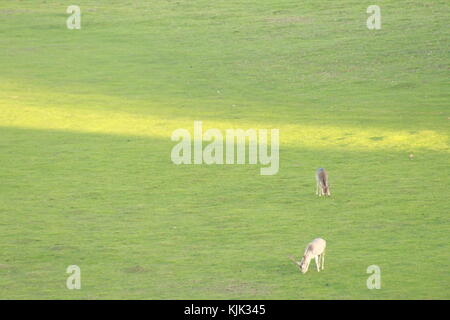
(86, 176)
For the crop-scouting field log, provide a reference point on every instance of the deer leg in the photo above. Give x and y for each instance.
(323, 260)
(316, 258)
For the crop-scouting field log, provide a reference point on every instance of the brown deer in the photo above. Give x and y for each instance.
(323, 186)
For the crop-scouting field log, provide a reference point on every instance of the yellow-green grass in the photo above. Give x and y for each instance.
(85, 170)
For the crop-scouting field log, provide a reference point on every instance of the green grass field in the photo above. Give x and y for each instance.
(85, 171)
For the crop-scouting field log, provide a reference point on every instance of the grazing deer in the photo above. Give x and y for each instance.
(315, 249)
(323, 186)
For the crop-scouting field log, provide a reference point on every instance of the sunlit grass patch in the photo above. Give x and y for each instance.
(304, 135)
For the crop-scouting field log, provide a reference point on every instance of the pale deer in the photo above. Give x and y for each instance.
(315, 249)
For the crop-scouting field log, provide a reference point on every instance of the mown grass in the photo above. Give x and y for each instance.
(86, 176)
